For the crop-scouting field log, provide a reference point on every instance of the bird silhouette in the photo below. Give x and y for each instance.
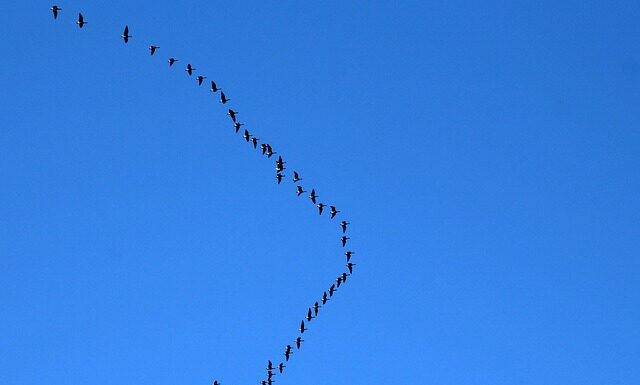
(215, 382)
(313, 196)
(316, 307)
(302, 328)
(189, 69)
(324, 298)
(309, 315)
(263, 146)
(214, 87)
(270, 151)
(81, 21)
(237, 125)
(339, 281)
(153, 49)
(349, 254)
(55, 9)
(200, 79)
(344, 240)
(232, 114)
(279, 177)
(125, 34)
(172, 60)
(344, 225)
(321, 207)
(223, 98)
(344, 277)
(350, 267)
(299, 190)
(270, 374)
(332, 289)
(246, 135)
(296, 177)
(254, 140)
(299, 342)
(270, 366)
(333, 211)
(281, 367)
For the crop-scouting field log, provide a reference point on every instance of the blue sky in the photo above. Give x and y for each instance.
(485, 153)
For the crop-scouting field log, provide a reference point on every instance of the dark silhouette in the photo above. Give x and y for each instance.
(302, 328)
(344, 240)
(81, 21)
(153, 49)
(214, 87)
(350, 267)
(200, 79)
(55, 10)
(299, 342)
(344, 224)
(279, 177)
(254, 140)
(320, 208)
(237, 126)
(281, 367)
(349, 254)
(246, 135)
(125, 34)
(232, 114)
(223, 98)
(190, 69)
(299, 190)
(172, 61)
(296, 177)
(313, 196)
(333, 212)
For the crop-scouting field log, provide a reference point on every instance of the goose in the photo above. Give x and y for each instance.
(309, 317)
(344, 277)
(189, 69)
(324, 298)
(214, 87)
(223, 98)
(152, 49)
(125, 34)
(255, 140)
(281, 367)
(270, 151)
(263, 146)
(332, 289)
(339, 281)
(81, 21)
(296, 177)
(237, 125)
(302, 328)
(279, 177)
(350, 267)
(299, 342)
(55, 10)
(334, 212)
(215, 382)
(270, 365)
(200, 79)
(299, 190)
(321, 207)
(349, 254)
(344, 240)
(316, 306)
(279, 167)
(270, 374)
(287, 354)
(232, 114)
(313, 196)
(344, 224)
(172, 60)
(246, 135)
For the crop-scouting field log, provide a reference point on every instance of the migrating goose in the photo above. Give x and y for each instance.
(270, 374)
(344, 240)
(334, 212)
(125, 34)
(246, 135)
(296, 177)
(309, 317)
(332, 289)
(81, 21)
(279, 167)
(172, 61)
(344, 277)
(55, 10)
(223, 98)
(263, 146)
(279, 177)
(214, 87)
(344, 224)
(255, 140)
(349, 254)
(237, 125)
(321, 206)
(215, 382)
(339, 281)
(189, 69)
(153, 48)
(200, 79)
(324, 298)
(299, 342)
(270, 366)
(287, 353)
(316, 306)
(270, 151)
(302, 328)
(350, 267)
(299, 190)
(232, 114)
(313, 196)
(281, 367)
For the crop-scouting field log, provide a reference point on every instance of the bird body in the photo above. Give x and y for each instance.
(350, 267)
(254, 140)
(302, 328)
(296, 177)
(349, 254)
(299, 190)
(200, 79)
(172, 61)
(344, 224)
(153, 49)
(333, 212)
(246, 135)
(55, 9)
(125, 34)
(232, 114)
(343, 239)
(189, 69)
(321, 207)
(81, 21)
(313, 196)
(237, 125)
(214, 87)
(279, 177)
(223, 98)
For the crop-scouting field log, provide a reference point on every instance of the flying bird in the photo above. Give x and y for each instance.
(349, 254)
(332, 289)
(200, 79)
(237, 125)
(263, 146)
(215, 382)
(350, 267)
(316, 306)
(254, 140)
(321, 206)
(302, 328)
(270, 366)
(153, 48)
(313, 196)
(55, 10)
(246, 135)
(299, 190)
(296, 177)
(81, 21)
(309, 317)
(279, 177)
(270, 151)
(324, 298)
(344, 224)
(299, 342)
(125, 34)
(344, 240)
(232, 114)
(190, 69)
(344, 277)
(281, 367)
(172, 61)
(223, 98)
(339, 281)
(334, 212)
(270, 374)
(214, 87)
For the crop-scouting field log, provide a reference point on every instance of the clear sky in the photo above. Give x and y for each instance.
(487, 155)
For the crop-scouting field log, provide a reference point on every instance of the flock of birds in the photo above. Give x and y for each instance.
(267, 151)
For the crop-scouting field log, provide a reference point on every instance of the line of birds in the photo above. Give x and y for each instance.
(267, 151)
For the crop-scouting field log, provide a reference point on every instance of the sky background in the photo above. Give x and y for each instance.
(486, 154)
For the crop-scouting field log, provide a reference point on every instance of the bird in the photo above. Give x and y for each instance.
(125, 34)
(55, 10)
(344, 224)
(200, 79)
(153, 48)
(223, 98)
(344, 277)
(316, 306)
(189, 69)
(349, 254)
(232, 114)
(263, 146)
(81, 21)
(324, 298)
(344, 240)
(320, 208)
(246, 135)
(270, 366)
(299, 190)
(279, 167)
(279, 177)
(215, 382)
(299, 341)
(296, 177)
(339, 281)
(270, 374)
(214, 87)
(302, 328)
(309, 316)
(350, 267)
(172, 61)
(287, 353)
(281, 367)
(313, 196)
(237, 125)
(270, 151)
(332, 289)
(333, 212)
(254, 140)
